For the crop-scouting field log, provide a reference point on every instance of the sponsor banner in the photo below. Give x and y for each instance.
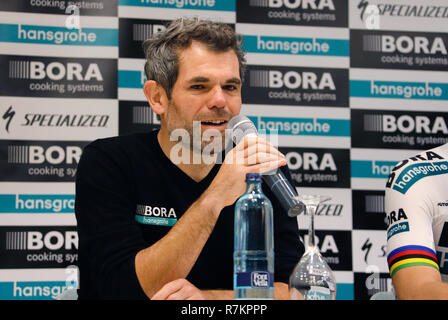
(404, 15)
(334, 247)
(285, 121)
(38, 247)
(37, 203)
(37, 284)
(344, 285)
(334, 214)
(285, 12)
(370, 168)
(318, 167)
(398, 129)
(38, 161)
(269, 45)
(386, 89)
(72, 7)
(374, 169)
(131, 78)
(137, 116)
(218, 5)
(295, 86)
(133, 32)
(303, 126)
(368, 210)
(58, 77)
(369, 251)
(399, 50)
(371, 282)
(30, 118)
(296, 46)
(57, 35)
(405, 90)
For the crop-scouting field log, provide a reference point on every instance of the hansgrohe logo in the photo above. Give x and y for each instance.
(414, 173)
(37, 203)
(296, 46)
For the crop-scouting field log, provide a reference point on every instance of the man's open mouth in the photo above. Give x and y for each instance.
(213, 122)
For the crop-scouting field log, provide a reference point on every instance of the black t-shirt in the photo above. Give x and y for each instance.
(129, 194)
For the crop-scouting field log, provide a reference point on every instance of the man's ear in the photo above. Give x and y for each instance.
(156, 96)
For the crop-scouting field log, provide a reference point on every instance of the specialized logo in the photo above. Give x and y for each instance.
(293, 12)
(412, 173)
(152, 215)
(397, 222)
(40, 120)
(394, 9)
(58, 77)
(398, 129)
(8, 115)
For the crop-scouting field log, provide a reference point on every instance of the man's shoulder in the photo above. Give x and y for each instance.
(122, 143)
(408, 172)
(125, 140)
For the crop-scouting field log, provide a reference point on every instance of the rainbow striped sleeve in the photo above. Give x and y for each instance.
(409, 256)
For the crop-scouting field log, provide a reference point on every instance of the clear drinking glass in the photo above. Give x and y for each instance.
(312, 278)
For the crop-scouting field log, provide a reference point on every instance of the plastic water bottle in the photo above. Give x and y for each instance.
(253, 255)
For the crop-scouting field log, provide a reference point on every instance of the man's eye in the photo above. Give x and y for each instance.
(230, 87)
(197, 86)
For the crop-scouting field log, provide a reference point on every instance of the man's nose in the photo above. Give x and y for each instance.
(217, 98)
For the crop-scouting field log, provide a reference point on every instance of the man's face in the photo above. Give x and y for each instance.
(207, 90)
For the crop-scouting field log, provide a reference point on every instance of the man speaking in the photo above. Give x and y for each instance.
(151, 226)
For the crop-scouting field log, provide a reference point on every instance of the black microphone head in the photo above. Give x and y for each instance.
(241, 126)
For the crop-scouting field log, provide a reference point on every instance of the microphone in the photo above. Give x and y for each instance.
(242, 127)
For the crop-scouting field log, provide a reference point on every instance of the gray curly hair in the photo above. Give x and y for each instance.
(161, 50)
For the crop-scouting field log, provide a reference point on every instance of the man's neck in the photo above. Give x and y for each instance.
(196, 170)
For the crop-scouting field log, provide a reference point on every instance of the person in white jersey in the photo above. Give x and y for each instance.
(416, 203)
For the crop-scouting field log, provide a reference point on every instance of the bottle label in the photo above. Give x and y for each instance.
(318, 293)
(255, 279)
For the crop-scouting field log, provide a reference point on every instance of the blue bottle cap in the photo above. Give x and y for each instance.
(253, 177)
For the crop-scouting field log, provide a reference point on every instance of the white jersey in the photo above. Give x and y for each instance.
(417, 212)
